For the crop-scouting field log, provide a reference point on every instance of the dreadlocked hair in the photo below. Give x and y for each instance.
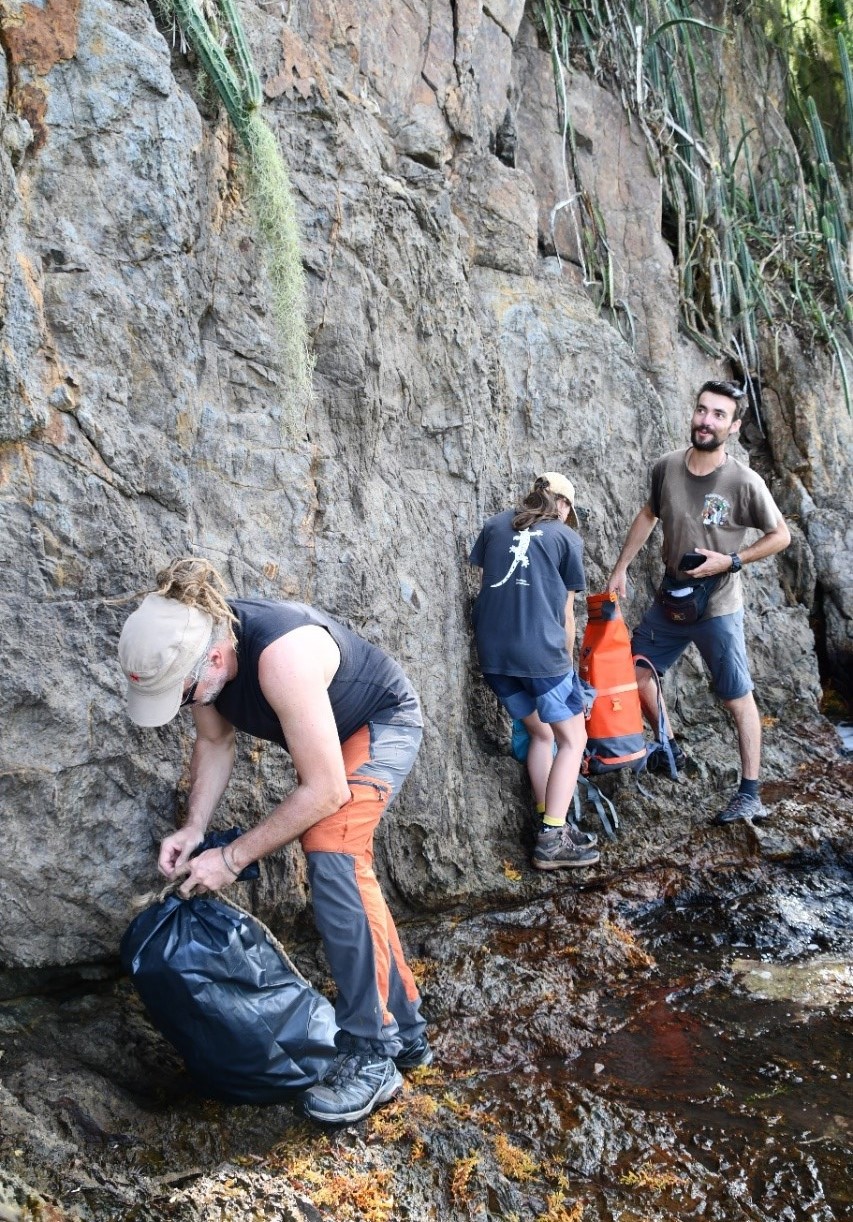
(195, 582)
(540, 505)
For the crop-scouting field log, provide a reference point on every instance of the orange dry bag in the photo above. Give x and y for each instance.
(615, 725)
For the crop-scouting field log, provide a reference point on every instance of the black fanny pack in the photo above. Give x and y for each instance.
(685, 600)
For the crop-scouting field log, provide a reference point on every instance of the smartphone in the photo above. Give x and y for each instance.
(691, 560)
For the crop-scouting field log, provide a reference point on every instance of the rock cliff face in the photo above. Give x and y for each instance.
(457, 355)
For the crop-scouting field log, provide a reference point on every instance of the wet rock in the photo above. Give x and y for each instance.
(597, 1048)
(821, 981)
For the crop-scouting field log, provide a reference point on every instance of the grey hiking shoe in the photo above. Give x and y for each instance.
(555, 850)
(581, 840)
(412, 1055)
(354, 1085)
(741, 806)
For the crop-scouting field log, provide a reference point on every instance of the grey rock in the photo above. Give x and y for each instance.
(457, 355)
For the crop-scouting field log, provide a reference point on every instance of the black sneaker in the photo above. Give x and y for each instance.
(418, 1052)
(354, 1085)
(657, 762)
(741, 806)
(555, 851)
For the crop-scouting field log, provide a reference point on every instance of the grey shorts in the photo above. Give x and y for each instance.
(719, 640)
(392, 753)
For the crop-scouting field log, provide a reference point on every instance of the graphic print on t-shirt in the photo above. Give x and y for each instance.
(716, 510)
(521, 543)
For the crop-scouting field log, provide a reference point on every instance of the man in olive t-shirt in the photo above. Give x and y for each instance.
(706, 501)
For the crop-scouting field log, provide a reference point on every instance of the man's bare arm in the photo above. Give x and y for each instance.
(642, 526)
(294, 672)
(210, 769)
(775, 540)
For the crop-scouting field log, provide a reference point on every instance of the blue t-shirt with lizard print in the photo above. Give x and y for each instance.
(519, 616)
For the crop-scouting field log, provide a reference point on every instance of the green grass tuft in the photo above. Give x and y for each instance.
(274, 211)
(270, 192)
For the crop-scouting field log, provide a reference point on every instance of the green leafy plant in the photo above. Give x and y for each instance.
(216, 34)
(755, 250)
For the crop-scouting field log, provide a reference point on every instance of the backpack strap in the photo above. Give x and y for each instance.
(593, 794)
(661, 742)
(640, 788)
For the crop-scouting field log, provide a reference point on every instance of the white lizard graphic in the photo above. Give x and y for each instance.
(520, 553)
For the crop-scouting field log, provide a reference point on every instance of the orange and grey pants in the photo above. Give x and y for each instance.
(378, 1005)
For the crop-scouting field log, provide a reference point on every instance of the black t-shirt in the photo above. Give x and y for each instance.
(520, 614)
(368, 685)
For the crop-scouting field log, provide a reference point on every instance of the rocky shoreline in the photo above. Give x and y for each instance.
(528, 1111)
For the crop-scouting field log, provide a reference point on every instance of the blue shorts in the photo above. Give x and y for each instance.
(556, 698)
(719, 641)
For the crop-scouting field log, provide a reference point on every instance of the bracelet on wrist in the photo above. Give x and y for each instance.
(236, 873)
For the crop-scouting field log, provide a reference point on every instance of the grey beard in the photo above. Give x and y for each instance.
(213, 696)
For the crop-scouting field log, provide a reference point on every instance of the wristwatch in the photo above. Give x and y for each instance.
(737, 563)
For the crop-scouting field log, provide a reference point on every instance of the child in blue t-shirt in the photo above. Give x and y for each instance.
(524, 623)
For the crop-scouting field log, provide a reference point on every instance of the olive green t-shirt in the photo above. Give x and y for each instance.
(712, 511)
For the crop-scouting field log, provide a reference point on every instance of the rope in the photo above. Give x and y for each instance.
(152, 897)
(268, 934)
(160, 896)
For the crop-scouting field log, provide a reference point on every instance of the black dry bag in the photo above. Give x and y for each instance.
(249, 1028)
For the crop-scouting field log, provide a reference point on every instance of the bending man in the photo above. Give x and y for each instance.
(351, 723)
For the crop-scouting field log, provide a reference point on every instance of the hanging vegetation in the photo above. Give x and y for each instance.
(214, 30)
(755, 248)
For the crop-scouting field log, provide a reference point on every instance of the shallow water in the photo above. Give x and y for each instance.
(744, 1042)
